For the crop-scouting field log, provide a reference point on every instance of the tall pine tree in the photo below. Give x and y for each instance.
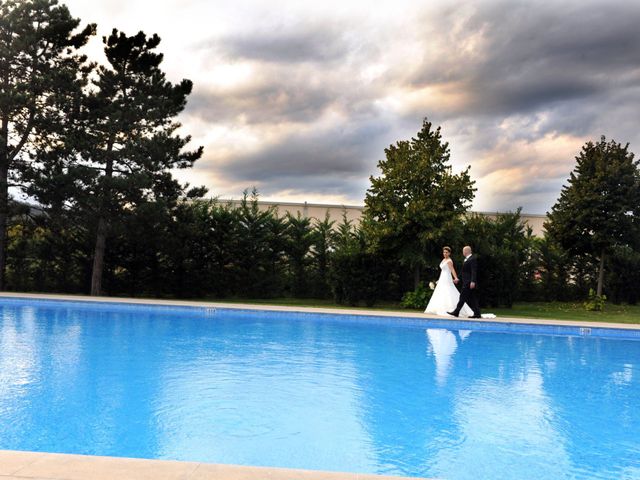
(600, 207)
(41, 74)
(131, 139)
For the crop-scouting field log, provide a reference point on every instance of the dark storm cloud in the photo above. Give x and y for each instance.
(534, 54)
(304, 41)
(273, 102)
(333, 160)
(317, 44)
(298, 72)
(283, 94)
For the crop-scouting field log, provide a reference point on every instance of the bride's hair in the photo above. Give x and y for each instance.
(448, 249)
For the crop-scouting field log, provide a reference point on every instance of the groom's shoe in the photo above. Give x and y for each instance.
(475, 316)
(453, 314)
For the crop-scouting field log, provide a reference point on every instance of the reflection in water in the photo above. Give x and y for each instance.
(443, 344)
(506, 425)
(623, 377)
(38, 360)
(463, 334)
(19, 367)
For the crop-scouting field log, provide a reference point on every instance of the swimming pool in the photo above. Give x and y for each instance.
(358, 394)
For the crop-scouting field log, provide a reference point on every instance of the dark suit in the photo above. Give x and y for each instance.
(469, 295)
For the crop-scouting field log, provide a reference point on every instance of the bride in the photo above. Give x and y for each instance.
(445, 296)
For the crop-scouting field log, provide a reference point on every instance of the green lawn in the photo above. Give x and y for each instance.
(551, 310)
(571, 311)
(308, 302)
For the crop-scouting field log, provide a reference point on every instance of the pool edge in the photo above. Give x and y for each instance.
(58, 466)
(332, 311)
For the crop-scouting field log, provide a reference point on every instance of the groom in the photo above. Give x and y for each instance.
(469, 294)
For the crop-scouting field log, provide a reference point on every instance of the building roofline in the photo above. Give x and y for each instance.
(524, 214)
(359, 207)
(296, 204)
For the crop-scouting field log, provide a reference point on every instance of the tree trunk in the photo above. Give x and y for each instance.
(416, 276)
(600, 274)
(4, 198)
(4, 216)
(98, 258)
(103, 225)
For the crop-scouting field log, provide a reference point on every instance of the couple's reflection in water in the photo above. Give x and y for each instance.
(443, 344)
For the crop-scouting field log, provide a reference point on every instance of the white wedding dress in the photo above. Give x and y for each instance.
(445, 296)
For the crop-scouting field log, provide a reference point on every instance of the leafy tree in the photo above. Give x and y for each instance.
(299, 241)
(599, 209)
(323, 245)
(623, 270)
(554, 269)
(135, 264)
(222, 225)
(277, 259)
(417, 200)
(530, 277)
(510, 256)
(186, 254)
(260, 249)
(46, 253)
(502, 248)
(23, 236)
(41, 74)
(357, 273)
(347, 234)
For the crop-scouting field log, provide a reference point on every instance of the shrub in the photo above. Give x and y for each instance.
(595, 302)
(623, 273)
(417, 299)
(358, 276)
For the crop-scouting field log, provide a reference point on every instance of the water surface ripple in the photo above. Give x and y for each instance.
(327, 395)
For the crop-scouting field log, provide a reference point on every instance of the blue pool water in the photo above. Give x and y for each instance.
(317, 392)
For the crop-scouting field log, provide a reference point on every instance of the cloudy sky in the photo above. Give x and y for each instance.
(301, 98)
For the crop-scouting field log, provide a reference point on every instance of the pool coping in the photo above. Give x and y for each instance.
(331, 311)
(20, 465)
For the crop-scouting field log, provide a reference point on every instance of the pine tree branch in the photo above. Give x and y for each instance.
(25, 135)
